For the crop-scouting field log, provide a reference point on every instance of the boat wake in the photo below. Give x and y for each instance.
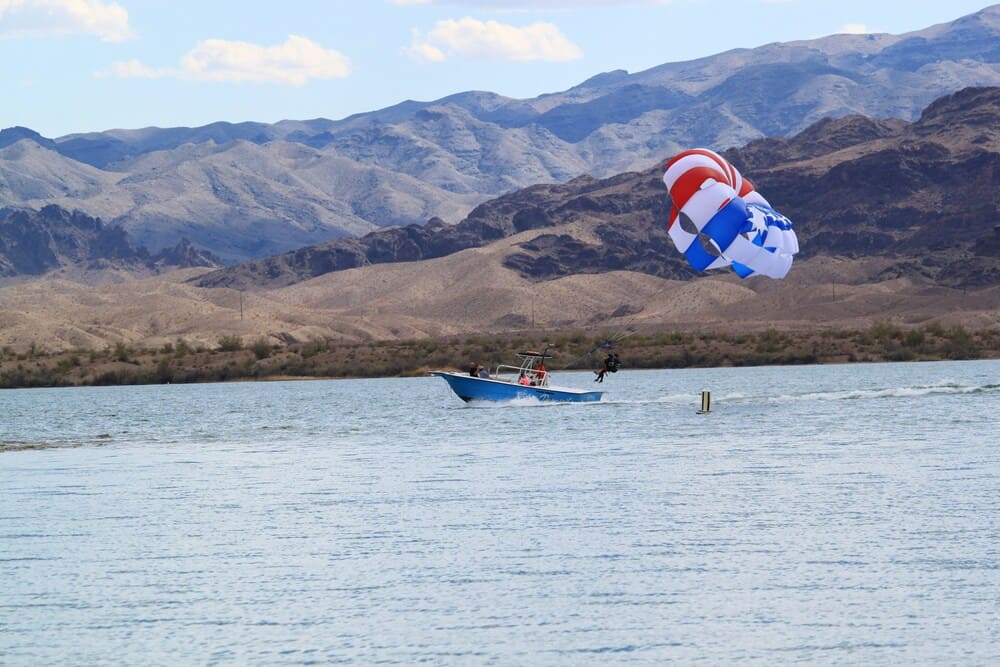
(25, 445)
(738, 398)
(891, 392)
(670, 399)
(524, 402)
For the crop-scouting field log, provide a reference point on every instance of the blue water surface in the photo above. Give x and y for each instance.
(824, 514)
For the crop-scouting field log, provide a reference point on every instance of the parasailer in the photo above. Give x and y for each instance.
(611, 364)
(711, 198)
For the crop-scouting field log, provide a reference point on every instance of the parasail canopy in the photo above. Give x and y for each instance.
(717, 219)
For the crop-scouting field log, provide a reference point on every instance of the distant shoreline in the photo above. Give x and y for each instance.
(233, 359)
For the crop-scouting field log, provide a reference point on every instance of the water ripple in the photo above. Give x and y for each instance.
(841, 514)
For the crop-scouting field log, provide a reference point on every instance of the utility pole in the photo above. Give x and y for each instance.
(241, 305)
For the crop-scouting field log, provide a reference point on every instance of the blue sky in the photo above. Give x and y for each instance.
(85, 65)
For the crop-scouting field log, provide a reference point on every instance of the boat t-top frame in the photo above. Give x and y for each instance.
(532, 367)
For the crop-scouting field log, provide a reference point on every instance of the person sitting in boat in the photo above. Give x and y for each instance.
(484, 373)
(524, 379)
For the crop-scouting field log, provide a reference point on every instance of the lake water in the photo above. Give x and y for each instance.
(826, 514)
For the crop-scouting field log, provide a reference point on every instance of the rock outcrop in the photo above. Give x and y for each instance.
(33, 243)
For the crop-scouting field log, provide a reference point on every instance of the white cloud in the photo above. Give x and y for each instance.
(490, 40)
(131, 69)
(47, 18)
(293, 63)
(854, 29)
(424, 51)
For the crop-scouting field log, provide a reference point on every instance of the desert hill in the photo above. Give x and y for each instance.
(254, 189)
(472, 292)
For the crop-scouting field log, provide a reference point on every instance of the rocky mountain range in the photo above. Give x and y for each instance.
(925, 195)
(254, 189)
(36, 243)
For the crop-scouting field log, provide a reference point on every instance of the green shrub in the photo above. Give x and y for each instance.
(314, 347)
(230, 344)
(67, 364)
(914, 338)
(163, 374)
(883, 331)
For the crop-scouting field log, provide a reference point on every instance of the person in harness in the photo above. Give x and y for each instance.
(610, 365)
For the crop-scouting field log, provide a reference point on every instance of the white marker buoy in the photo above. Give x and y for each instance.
(706, 403)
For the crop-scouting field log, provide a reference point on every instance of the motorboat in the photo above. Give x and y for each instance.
(529, 379)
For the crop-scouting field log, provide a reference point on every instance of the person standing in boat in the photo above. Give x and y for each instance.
(540, 372)
(474, 369)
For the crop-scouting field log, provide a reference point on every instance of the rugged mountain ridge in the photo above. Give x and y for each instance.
(926, 194)
(253, 189)
(33, 243)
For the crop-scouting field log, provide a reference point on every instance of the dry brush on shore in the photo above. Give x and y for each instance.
(232, 358)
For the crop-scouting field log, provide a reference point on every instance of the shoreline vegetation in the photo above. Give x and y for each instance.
(234, 359)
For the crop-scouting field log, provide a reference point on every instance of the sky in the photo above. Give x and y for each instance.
(70, 66)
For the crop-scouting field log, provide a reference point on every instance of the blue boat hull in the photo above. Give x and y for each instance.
(470, 388)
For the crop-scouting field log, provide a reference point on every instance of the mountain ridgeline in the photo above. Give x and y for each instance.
(250, 190)
(926, 194)
(36, 242)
